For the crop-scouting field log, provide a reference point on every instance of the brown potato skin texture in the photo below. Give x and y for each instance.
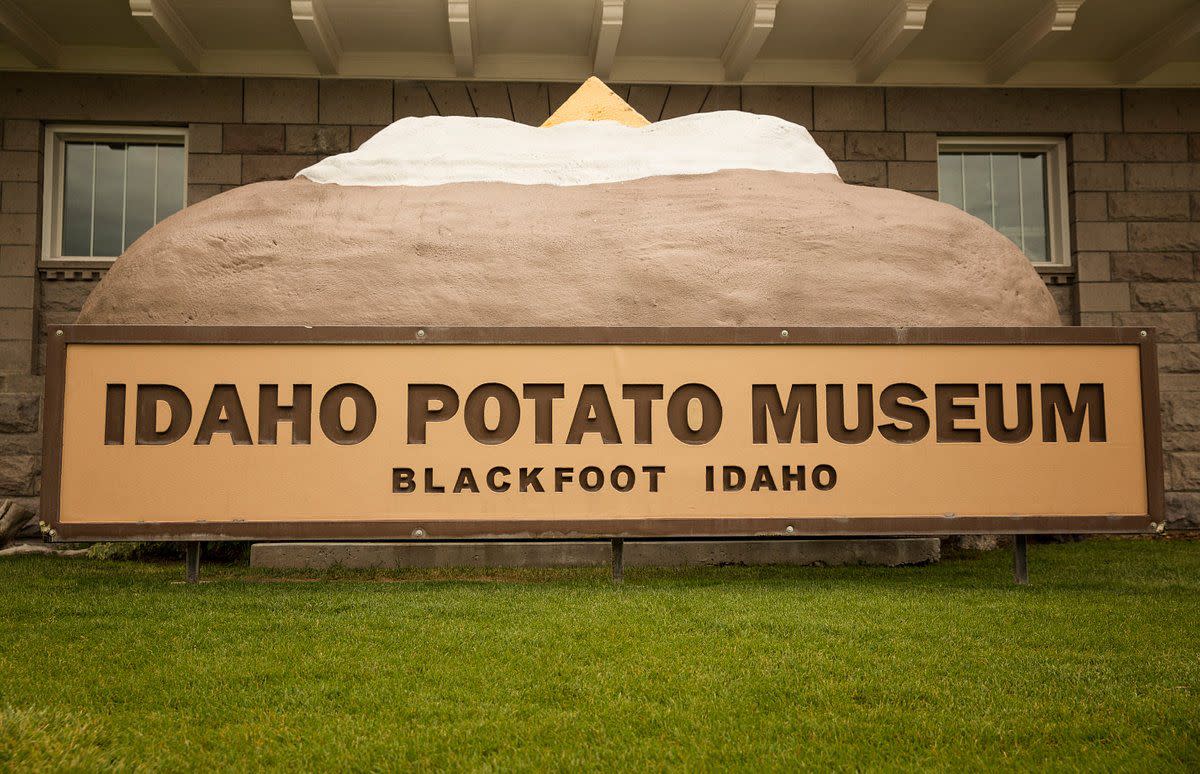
(733, 248)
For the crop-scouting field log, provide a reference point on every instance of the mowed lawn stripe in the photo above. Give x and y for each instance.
(1096, 664)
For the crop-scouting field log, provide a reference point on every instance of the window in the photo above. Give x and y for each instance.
(1015, 185)
(106, 186)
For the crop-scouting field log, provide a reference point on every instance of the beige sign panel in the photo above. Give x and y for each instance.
(285, 433)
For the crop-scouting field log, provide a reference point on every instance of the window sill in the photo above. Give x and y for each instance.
(74, 268)
(75, 263)
(1056, 274)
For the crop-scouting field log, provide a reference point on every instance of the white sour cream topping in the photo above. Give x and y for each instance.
(453, 149)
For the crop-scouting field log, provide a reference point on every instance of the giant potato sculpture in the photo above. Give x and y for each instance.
(597, 218)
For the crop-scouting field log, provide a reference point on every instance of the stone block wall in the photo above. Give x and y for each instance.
(20, 171)
(1136, 199)
(1134, 184)
(20, 389)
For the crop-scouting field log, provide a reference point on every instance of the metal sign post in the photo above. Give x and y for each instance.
(192, 559)
(1020, 560)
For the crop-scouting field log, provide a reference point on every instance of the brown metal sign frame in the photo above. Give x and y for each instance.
(61, 336)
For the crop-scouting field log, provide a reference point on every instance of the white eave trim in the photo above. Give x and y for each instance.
(1144, 59)
(890, 38)
(23, 34)
(606, 33)
(753, 27)
(1054, 20)
(463, 36)
(169, 33)
(312, 22)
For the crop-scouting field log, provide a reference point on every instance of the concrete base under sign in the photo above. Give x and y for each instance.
(317, 556)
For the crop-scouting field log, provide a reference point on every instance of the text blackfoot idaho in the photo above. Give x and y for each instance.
(622, 478)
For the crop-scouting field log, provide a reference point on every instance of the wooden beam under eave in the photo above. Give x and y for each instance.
(890, 38)
(23, 34)
(312, 22)
(462, 36)
(1052, 21)
(753, 27)
(170, 34)
(1141, 61)
(606, 33)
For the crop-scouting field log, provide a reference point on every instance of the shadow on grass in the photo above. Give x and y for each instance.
(1116, 564)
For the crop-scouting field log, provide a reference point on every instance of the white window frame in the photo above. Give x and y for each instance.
(57, 136)
(1057, 214)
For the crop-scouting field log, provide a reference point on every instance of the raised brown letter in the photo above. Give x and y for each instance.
(593, 414)
(1090, 404)
(331, 414)
(419, 413)
(114, 415)
(710, 413)
(802, 404)
(643, 396)
(270, 414)
(224, 401)
(994, 409)
(915, 416)
(543, 397)
(146, 432)
(510, 413)
(949, 412)
(835, 414)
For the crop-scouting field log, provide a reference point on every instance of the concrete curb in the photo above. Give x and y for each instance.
(315, 556)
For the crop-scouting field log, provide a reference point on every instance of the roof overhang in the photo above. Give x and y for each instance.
(1082, 43)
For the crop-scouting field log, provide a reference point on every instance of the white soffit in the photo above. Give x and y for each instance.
(884, 42)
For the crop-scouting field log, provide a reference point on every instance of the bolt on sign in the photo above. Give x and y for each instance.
(293, 433)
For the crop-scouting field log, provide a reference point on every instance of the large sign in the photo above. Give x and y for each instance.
(293, 433)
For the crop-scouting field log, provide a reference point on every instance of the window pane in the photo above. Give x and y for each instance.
(950, 181)
(113, 191)
(1033, 206)
(1006, 190)
(108, 213)
(977, 185)
(139, 191)
(77, 198)
(171, 186)
(1006, 196)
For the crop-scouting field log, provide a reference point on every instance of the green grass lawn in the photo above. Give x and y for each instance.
(1095, 665)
